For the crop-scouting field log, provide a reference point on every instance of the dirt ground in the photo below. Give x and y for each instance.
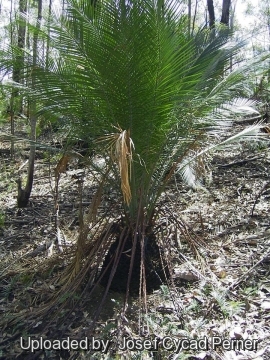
(225, 296)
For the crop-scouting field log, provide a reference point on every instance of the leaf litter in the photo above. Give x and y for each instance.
(228, 297)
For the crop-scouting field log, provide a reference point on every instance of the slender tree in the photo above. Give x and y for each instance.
(189, 16)
(14, 91)
(21, 43)
(194, 17)
(18, 65)
(225, 16)
(48, 38)
(24, 194)
(211, 11)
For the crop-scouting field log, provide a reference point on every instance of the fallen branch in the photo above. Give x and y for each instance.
(242, 277)
(240, 162)
(248, 121)
(265, 186)
(39, 249)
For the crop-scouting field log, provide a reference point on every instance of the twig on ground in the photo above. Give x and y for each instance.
(265, 186)
(242, 277)
(240, 162)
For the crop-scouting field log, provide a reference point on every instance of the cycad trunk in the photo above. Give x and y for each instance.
(128, 261)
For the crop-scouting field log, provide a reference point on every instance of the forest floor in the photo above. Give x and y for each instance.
(221, 297)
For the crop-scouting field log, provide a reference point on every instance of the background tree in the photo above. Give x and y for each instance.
(257, 25)
(24, 194)
(211, 11)
(48, 26)
(225, 16)
(15, 102)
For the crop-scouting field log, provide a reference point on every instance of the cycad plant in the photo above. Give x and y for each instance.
(129, 77)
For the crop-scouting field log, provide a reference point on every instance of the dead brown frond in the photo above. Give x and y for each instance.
(85, 228)
(61, 166)
(121, 149)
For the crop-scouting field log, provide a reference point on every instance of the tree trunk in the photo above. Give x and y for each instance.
(225, 12)
(232, 27)
(21, 42)
(13, 93)
(23, 195)
(189, 17)
(18, 64)
(49, 30)
(211, 11)
(194, 17)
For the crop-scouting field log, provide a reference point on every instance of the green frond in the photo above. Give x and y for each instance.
(134, 65)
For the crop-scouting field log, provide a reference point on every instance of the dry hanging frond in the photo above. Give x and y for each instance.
(121, 147)
(123, 155)
(62, 165)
